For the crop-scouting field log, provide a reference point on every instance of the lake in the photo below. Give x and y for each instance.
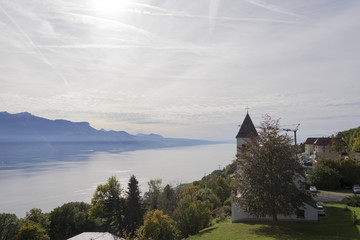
(46, 177)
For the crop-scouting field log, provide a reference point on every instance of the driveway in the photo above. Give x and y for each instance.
(327, 196)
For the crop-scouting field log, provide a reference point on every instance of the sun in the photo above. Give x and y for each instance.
(109, 7)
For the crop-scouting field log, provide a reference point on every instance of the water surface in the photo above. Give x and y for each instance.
(47, 180)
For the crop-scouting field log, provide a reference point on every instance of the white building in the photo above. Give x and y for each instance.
(95, 236)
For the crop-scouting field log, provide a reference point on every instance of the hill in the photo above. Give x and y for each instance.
(25, 127)
(351, 138)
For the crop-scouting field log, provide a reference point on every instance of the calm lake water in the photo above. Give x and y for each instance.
(37, 179)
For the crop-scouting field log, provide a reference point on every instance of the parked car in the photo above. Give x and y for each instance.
(356, 189)
(320, 209)
(313, 189)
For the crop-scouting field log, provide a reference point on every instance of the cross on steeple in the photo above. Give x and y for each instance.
(247, 109)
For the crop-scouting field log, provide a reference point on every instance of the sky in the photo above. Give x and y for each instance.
(183, 68)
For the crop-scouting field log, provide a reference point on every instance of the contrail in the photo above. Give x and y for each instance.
(271, 7)
(37, 50)
(213, 9)
(128, 26)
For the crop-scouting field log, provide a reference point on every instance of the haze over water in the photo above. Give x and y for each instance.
(49, 183)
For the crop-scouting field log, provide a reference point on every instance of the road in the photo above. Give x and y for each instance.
(327, 196)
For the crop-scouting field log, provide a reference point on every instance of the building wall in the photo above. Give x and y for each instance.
(239, 144)
(238, 215)
(322, 149)
(309, 149)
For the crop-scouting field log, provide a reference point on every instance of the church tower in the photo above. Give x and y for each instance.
(247, 130)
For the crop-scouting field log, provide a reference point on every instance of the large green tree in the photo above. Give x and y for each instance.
(133, 213)
(268, 177)
(36, 215)
(324, 177)
(167, 200)
(153, 193)
(348, 169)
(69, 220)
(32, 231)
(108, 206)
(9, 226)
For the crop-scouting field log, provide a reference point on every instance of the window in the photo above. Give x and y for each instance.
(300, 213)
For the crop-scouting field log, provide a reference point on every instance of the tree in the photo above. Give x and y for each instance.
(31, 231)
(134, 213)
(107, 206)
(157, 226)
(69, 220)
(191, 214)
(153, 193)
(37, 216)
(167, 200)
(324, 177)
(204, 194)
(268, 176)
(220, 186)
(9, 226)
(348, 169)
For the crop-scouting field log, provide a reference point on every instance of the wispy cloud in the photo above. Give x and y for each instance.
(35, 48)
(182, 67)
(272, 7)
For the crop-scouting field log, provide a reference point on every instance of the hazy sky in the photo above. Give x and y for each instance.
(183, 68)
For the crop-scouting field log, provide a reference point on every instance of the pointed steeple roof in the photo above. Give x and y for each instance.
(247, 128)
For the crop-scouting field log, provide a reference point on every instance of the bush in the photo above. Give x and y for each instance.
(191, 215)
(221, 213)
(227, 202)
(324, 177)
(157, 226)
(353, 201)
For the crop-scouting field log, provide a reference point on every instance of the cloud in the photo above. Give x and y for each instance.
(271, 7)
(182, 67)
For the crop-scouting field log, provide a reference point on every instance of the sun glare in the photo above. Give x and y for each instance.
(109, 7)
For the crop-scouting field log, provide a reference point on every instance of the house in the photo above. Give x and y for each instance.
(96, 236)
(308, 212)
(315, 145)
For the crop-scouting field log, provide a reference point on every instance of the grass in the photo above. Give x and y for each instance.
(337, 224)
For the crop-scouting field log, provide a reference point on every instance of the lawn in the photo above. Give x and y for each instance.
(337, 224)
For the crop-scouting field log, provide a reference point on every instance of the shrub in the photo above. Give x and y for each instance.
(353, 201)
(157, 226)
(227, 202)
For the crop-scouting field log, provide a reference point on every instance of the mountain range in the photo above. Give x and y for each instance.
(25, 127)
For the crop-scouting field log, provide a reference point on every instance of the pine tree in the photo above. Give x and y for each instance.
(134, 213)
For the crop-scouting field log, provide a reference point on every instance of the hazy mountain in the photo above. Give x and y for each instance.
(25, 127)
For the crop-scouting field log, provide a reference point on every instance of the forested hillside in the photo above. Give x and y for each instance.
(351, 138)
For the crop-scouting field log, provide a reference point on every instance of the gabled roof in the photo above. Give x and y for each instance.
(310, 140)
(323, 141)
(247, 128)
